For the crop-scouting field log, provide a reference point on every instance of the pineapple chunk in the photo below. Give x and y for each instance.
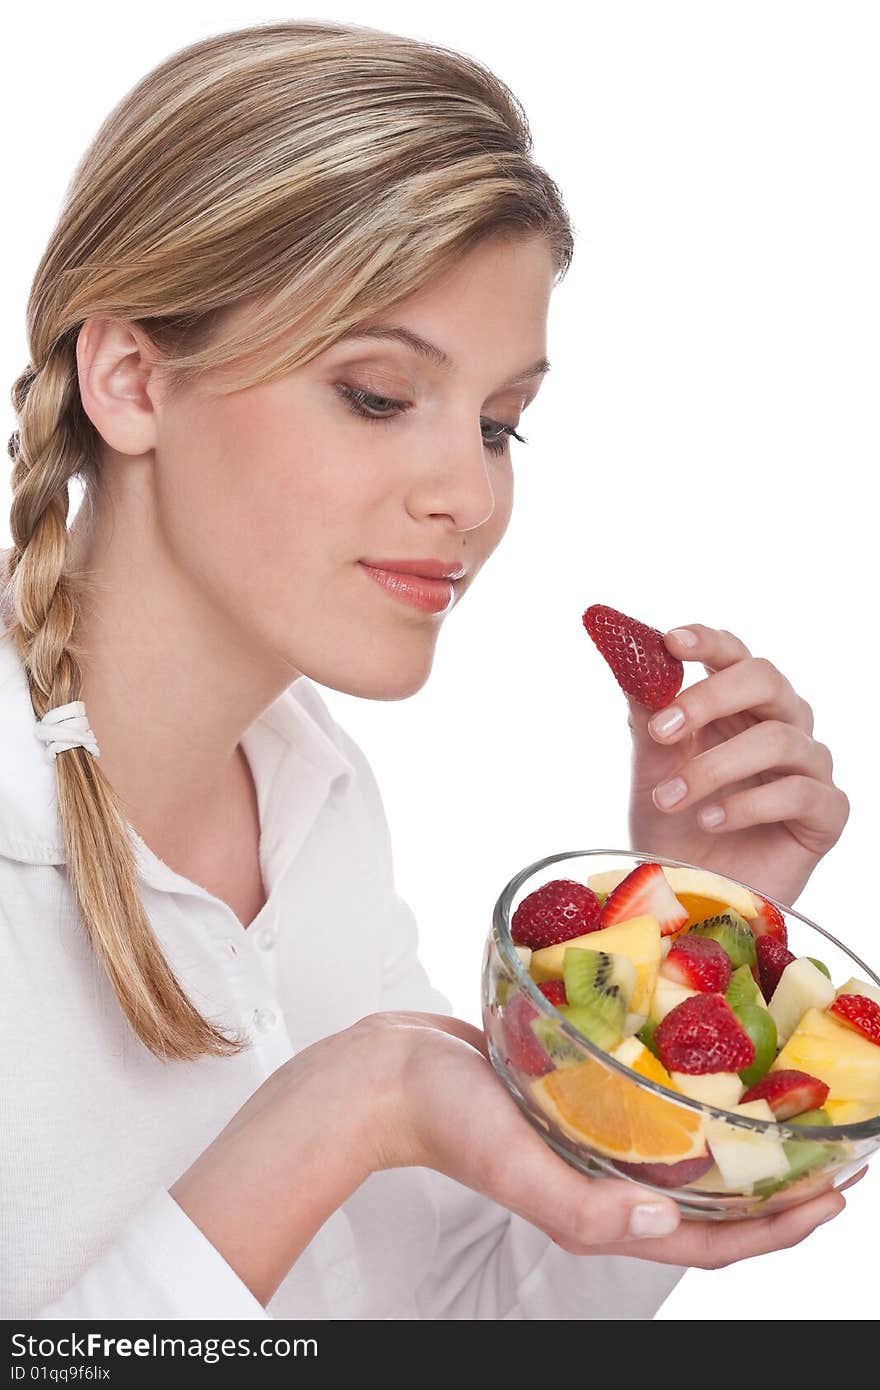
(855, 986)
(848, 1063)
(719, 1088)
(525, 955)
(667, 993)
(851, 1112)
(745, 1156)
(606, 882)
(639, 939)
(802, 986)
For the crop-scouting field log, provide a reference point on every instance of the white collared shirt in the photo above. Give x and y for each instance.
(94, 1129)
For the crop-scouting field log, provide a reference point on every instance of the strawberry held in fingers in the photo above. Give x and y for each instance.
(637, 654)
(555, 912)
(645, 890)
(789, 1092)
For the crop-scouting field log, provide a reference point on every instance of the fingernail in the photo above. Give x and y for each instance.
(653, 1219)
(669, 792)
(712, 815)
(684, 636)
(667, 721)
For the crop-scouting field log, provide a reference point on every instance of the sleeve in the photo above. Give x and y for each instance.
(490, 1263)
(160, 1267)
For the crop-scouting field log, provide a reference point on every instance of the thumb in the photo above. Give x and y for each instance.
(606, 1211)
(637, 719)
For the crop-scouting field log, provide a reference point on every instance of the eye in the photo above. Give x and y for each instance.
(369, 406)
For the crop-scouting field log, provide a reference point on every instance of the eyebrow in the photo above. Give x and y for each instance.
(430, 350)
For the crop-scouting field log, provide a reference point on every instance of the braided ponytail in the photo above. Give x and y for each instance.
(47, 450)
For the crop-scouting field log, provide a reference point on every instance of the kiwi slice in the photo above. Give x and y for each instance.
(733, 933)
(743, 989)
(646, 1034)
(809, 1117)
(601, 1021)
(561, 1051)
(803, 1156)
(588, 974)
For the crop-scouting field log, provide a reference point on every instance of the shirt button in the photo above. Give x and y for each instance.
(266, 938)
(265, 1019)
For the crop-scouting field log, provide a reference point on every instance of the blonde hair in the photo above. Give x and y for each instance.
(327, 170)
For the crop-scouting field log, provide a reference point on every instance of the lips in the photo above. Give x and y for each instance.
(422, 569)
(431, 595)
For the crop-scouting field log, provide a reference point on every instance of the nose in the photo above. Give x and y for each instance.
(458, 480)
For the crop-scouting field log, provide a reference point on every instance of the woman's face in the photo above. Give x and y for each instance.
(268, 499)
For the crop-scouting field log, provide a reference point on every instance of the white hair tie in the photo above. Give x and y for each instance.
(66, 726)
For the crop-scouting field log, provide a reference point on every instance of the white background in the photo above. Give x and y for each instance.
(704, 449)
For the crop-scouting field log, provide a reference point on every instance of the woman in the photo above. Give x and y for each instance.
(229, 1074)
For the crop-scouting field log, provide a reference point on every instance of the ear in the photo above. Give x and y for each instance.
(115, 363)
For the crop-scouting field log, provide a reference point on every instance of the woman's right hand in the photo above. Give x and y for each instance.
(416, 1089)
(453, 1114)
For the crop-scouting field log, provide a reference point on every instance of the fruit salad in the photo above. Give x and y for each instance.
(686, 980)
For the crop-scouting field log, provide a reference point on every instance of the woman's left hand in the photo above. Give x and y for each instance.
(746, 746)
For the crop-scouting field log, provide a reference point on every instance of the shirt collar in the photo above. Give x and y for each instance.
(289, 752)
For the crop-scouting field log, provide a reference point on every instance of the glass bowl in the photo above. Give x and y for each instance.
(597, 1113)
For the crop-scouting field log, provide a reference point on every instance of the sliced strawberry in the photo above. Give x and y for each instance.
(698, 962)
(646, 889)
(788, 1092)
(555, 912)
(773, 957)
(702, 1034)
(642, 664)
(769, 921)
(860, 1013)
(523, 1052)
(554, 990)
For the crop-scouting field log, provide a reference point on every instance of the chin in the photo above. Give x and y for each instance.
(380, 680)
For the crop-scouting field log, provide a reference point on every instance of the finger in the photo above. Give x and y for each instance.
(754, 685)
(818, 810)
(717, 649)
(714, 646)
(714, 1244)
(770, 744)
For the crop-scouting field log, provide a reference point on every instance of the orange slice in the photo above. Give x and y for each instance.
(699, 908)
(594, 1104)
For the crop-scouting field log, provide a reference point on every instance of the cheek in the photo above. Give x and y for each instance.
(256, 492)
(498, 522)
